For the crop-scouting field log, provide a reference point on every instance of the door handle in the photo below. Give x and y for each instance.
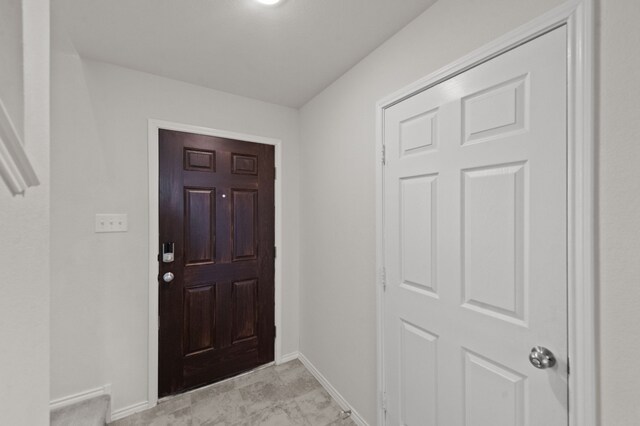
(541, 357)
(168, 277)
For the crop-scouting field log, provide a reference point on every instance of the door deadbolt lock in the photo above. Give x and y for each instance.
(167, 252)
(168, 277)
(542, 357)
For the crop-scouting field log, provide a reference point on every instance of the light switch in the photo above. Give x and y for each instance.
(111, 223)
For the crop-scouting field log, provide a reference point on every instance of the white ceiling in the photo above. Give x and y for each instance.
(284, 54)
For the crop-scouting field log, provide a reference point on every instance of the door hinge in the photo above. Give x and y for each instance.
(384, 402)
(383, 277)
(568, 366)
(275, 173)
(158, 322)
(275, 331)
(275, 252)
(384, 155)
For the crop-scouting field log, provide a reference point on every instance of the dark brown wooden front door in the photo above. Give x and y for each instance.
(217, 208)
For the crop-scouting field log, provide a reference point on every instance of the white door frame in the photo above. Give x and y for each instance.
(578, 16)
(154, 126)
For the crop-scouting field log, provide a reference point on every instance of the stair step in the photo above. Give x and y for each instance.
(92, 412)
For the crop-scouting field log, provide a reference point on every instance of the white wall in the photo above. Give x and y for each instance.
(337, 304)
(620, 212)
(24, 236)
(99, 306)
(11, 78)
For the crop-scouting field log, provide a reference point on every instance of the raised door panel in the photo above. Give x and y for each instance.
(245, 306)
(199, 226)
(495, 112)
(493, 394)
(418, 376)
(418, 133)
(244, 164)
(245, 224)
(199, 319)
(199, 160)
(494, 222)
(418, 219)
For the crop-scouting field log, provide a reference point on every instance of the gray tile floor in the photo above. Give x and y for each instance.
(284, 395)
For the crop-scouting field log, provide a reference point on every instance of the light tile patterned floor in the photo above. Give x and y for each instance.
(284, 395)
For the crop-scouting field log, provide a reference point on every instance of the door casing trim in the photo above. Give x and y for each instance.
(578, 16)
(153, 156)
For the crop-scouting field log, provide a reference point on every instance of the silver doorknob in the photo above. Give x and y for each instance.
(542, 357)
(168, 277)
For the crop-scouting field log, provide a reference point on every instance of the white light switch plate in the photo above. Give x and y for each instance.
(111, 223)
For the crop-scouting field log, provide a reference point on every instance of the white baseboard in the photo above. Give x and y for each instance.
(355, 416)
(127, 411)
(79, 397)
(288, 357)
